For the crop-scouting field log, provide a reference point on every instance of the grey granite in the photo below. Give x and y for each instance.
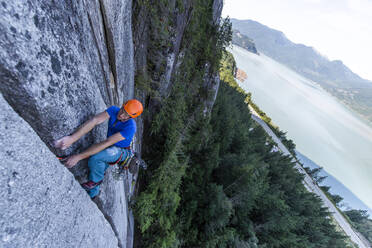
(42, 205)
(62, 62)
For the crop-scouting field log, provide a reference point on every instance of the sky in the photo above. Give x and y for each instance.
(337, 29)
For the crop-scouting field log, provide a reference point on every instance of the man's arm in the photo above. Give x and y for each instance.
(96, 148)
(67, 141)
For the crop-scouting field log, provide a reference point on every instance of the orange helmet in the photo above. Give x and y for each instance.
(133, 107)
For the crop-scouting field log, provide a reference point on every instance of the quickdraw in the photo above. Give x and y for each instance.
(119, 168)
(126, 161)
(131, 163)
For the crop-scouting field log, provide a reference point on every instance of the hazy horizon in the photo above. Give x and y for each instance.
(323, 129)
(339, 30)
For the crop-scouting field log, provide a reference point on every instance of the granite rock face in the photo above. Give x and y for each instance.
(175, 54)
(212, 80)
(212, 83)
(244, 41)
(62, 62)
(217, 10)
(118, 28)
(49, 66)
(168, 58)
(42, 205)
(55, 65)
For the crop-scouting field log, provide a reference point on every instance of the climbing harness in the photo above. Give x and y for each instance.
(132, 163)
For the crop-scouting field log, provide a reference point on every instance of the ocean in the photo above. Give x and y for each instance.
(322, 128)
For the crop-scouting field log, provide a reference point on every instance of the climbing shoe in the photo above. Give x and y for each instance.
(90, 185)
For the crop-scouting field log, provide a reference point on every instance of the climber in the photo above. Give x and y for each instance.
(121, 129)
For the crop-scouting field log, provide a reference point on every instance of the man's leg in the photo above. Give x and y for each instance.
(98, 163)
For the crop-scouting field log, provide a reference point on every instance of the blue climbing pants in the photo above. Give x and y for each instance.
(98, 164)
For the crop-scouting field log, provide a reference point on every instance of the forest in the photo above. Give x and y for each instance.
(224, 186)
(213, 177)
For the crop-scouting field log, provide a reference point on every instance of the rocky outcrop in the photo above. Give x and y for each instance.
(61, 62)
(117, 25)
(175, 66)
(182, 20)
(243, 41)
(212, 80)
(168, 57)
(42, 205)
(146, 35)
(217, 10)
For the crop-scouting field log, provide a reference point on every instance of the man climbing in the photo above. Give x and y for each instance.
(116, 148)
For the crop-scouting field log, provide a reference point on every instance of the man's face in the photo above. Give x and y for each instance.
(123, 115)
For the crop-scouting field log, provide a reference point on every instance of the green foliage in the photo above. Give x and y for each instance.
(357, 216)
(156, 206)
(336, 199)
(212, 179)
(361, 222)
(228, 69)
(269, 205)
(324, 188)
(158, 30)
(262, 114)
(289, 144)
(313, 173)
(174, 111)
(224, 35)
(227, 72)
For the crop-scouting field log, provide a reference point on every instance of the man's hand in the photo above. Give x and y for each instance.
(71, 161)
(63, 143)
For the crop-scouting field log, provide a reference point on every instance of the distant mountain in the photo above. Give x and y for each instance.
(243, 41)
(333, 76)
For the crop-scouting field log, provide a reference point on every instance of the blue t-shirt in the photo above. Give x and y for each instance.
(127, 128)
